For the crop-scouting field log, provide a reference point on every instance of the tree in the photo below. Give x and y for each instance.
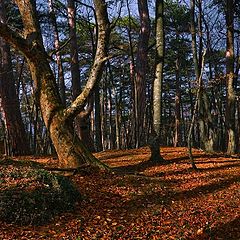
(176, 60)
(15, 131)
(140, 70)
(230, 101)
(59, 120)
(81, 121)
(60, 81)
(157, 84)
(206, 133)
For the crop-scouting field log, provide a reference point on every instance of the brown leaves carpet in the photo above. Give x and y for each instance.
(145, 201)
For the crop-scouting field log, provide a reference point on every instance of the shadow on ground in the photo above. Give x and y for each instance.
(226, 231)
(140, 167)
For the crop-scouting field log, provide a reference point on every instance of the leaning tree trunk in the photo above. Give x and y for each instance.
(58, 120)
(189, 139)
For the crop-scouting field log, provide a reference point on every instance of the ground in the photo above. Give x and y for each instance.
(143, 201)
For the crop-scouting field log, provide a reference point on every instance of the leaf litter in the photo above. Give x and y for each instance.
(139, 200)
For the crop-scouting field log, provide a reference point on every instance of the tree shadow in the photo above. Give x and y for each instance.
(186, 195)
(215, 162)
(140, 167)
(207, 169)
(204, 156)
(229, 230)
(205, 189)
(210, 169)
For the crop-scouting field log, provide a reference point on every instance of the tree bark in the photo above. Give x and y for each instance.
(58, 120)
(154, 141)
(230, 101)
(82, 120)
(204, 118)
(17, 139)
(98, 120)
(140, 70)
(177, 134)
(189, 139)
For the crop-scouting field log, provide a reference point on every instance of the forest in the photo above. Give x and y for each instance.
(119, 119)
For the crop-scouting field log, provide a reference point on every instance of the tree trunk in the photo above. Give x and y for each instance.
(82, 120)
(132, 133)
(177, 135)
(59, 121)
(98, 120)
(117, 117)
(189, 140)
(140, 70)
(75, 71)
(61, 82)
(112, 139)
(204, 119)
(104, 126)
(17, 138)
(154, 141)
(230, 101)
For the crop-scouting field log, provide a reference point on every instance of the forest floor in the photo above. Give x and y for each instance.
(144, 201)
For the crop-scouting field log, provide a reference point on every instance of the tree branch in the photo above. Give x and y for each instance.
(100, 58)
(74, 109)
(86, 112)
(15, 39)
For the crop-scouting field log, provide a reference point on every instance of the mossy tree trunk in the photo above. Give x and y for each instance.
(58, 120)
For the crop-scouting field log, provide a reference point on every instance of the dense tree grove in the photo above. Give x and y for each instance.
(91, 75)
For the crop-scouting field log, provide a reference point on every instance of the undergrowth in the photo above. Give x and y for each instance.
(30, 196)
